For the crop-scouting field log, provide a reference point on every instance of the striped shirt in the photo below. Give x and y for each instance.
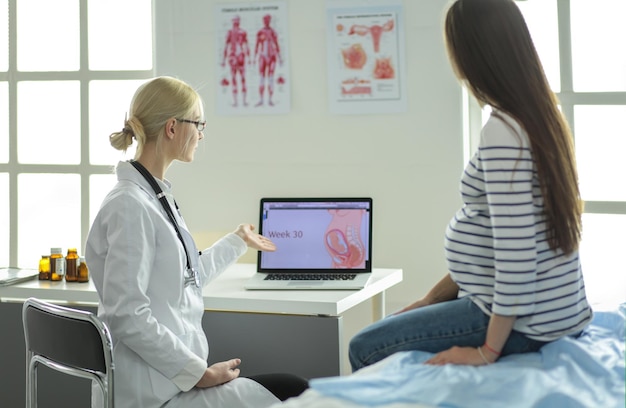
(496, 244)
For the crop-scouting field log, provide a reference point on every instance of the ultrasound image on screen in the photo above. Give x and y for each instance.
(316, 236)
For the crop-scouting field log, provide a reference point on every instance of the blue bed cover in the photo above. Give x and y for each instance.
(568, 373)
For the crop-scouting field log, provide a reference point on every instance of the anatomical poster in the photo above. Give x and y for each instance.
(252, 58)
(365, 57)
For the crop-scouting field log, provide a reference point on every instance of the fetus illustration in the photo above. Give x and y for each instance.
(343, 239)
(354, 57)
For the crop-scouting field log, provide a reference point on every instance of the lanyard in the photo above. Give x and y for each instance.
(189, 278)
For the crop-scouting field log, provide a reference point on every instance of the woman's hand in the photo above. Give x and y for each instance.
(446, 289)
(219, 373)
(254, 240)
(462, 356)
(414, 305)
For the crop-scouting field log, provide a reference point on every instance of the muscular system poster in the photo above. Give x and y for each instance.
(365, 57)
(253, 64)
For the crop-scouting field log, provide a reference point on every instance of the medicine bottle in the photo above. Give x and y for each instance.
(44, 267)
(71, 265)
(83, 271)
(57, 264)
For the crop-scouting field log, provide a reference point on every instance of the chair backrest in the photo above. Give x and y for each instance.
(72, 341)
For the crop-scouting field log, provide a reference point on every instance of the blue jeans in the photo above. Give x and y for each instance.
(432, 329)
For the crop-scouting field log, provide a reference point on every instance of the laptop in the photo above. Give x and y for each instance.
(11, 275)
(321, 244)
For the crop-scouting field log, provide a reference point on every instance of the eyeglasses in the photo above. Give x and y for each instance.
(200, 124)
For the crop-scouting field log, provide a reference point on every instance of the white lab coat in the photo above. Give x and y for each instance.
(137, 263)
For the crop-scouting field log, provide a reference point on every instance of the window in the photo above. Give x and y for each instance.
(66, 79)
(577, 42)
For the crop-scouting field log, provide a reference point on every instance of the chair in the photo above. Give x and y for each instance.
(74, 342)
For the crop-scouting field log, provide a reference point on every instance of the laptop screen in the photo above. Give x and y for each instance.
(316, 234)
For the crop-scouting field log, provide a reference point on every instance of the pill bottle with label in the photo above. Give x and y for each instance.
(57, 264)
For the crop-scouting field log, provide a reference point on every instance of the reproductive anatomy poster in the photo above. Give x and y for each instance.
(253, 59)
(366, 57)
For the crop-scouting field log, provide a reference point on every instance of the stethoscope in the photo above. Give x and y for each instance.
(190, 275)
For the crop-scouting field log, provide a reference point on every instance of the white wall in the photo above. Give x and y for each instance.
(409, 163)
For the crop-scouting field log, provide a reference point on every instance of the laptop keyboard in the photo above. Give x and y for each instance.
(311, 276)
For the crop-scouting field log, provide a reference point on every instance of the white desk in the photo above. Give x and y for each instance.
(299, 332)
(226, 293)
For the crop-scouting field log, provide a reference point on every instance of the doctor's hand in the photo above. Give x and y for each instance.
(254, 240)
(219, 373)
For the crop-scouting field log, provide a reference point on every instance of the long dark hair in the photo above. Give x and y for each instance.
(490, 49)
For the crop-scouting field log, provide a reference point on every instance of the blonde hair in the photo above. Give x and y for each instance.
(154, 103)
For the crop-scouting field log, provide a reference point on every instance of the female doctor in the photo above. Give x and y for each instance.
(149, 274)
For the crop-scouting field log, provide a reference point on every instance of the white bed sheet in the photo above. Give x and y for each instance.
(569, 373)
